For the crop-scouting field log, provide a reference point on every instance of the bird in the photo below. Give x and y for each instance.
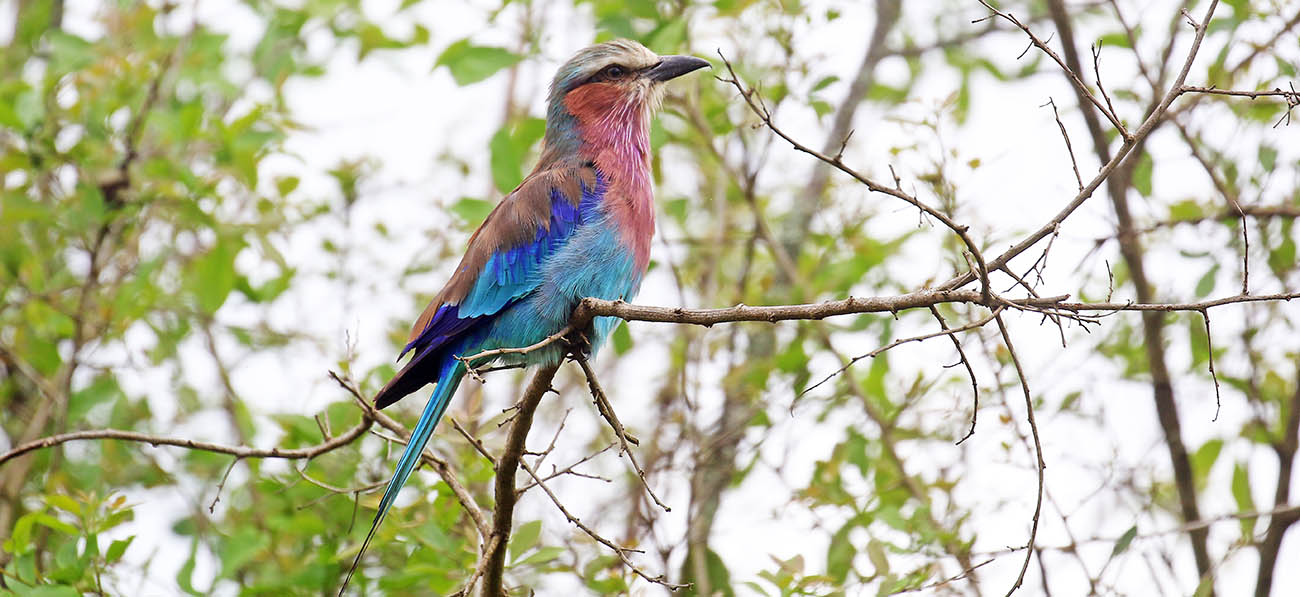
(579, 225)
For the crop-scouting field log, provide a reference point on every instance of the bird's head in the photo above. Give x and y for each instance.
(611, 85)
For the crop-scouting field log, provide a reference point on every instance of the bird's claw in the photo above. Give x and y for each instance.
(579, 345)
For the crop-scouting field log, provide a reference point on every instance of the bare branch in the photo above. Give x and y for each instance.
(1038, 449)
(1070, 73)
(1068, 147)
(239, 452)
(1147, 126)
(970, 372)
(1209, 350)
(592, 307)
(616, 548)
(962, 231)
(508, 463)
(607, 411)
(946, 331)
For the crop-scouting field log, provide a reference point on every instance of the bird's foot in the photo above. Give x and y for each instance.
(579, 346)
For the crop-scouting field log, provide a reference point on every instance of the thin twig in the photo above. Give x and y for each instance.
(616, 548)
(970, 372)
(441, 466)
(1038, 449)
(158, 440)
(611, 417)
(1070, 73)
(1145, 129)
(962, 231)
(1209, 348)
(946, 331)
(1068, 147)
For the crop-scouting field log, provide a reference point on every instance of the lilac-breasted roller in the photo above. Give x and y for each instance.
(578, 226)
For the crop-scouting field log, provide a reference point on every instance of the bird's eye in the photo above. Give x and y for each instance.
(613, 71)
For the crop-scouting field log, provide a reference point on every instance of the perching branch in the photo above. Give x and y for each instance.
(503, 512)
(592, 307)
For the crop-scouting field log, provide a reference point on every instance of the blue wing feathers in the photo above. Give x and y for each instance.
(510, 271)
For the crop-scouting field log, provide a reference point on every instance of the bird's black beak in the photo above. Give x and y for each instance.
(672, 67)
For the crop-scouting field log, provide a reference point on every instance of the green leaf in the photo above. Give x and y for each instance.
(676, 209)
(1283, 258)
(239, 549)
(1241, 494)
(543, 555)
(58, 525)
(1267, 157)
(1205, 588)
(1114, 38)
(64, 503)
(1204, 458)
(372, 38)
(117, 549)
(471, 211)
(876, 553)
(1142, 173)
(718, 575)
(104, 389)
(69, 52)
(213, 277)
(1186, 211)
(622, 338)
(20, 538)
(28, 109)
(510, 147)
(1285, 67)
(840, 553)
(793, 359)
(286, 184)
(1124, 540)
(525, 538)
(52, 591)
(668, 37)
(1205, 285)
(823, 83)
(470, 64)
(185, 576)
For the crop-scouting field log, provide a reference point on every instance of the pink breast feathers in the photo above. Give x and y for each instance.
(614, 123)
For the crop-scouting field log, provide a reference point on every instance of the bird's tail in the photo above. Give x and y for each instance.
(452, 372)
